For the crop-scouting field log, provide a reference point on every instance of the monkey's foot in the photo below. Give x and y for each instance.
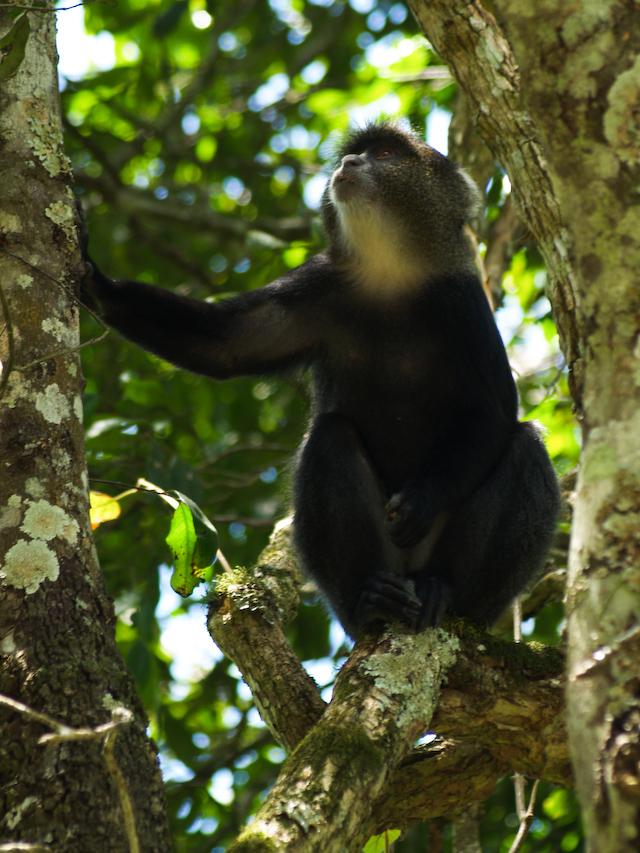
(388, 598)
(436, 598)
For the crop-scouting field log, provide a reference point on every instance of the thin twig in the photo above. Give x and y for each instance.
(40, 9)
(123, 792)
(223, 561)
(107, 732)
(68, 291)
(525, 820)
(525, 814)
(519, 781)
(63, 352)
(517, 620)
(249, 521)
(8, 327)
(25, 710)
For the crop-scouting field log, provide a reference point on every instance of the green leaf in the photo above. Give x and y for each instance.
(193, 555)
(182, 540)
(195, 509)
(381, 843)
(12, 46)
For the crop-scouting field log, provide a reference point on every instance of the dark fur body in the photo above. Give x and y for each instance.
(416, 488)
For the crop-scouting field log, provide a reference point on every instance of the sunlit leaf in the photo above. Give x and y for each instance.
(381, 843)
(192, 556)
(182, 541)
(103, 508)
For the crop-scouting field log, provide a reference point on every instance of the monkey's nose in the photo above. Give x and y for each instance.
(351, 161)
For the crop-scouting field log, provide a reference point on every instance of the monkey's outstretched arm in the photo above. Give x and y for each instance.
(263, 331)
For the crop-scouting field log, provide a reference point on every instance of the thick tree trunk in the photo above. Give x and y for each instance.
(80, 791)
(581, 75)
(575, 93)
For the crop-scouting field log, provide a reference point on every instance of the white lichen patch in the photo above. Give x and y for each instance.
(60, 459)
(72, 368)
(14, 500)
(52, 404)
(15, 390)
(109, 703)
(10, 517)
(622, 119)
(578, 73)
(24, 281)
(414, 667)
(588, 18)
(59, 331)
(62, 215)
(34, 487)
(10, 223)
(70, 531)
(43, 520)
(77, 407)
(28, 564)
(46, 143)
(8, 644)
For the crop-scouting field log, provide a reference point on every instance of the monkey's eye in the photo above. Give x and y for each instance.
(383, 153)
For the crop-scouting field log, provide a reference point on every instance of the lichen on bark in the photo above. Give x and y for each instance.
(57, 645)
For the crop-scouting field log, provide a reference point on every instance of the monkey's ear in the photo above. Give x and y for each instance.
(473, 199)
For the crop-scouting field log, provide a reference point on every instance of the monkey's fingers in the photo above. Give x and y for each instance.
(388, 598)
(436, 599)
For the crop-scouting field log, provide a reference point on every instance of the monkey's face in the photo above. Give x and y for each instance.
(357, 178)
(394, 203)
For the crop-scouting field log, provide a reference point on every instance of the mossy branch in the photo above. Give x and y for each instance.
(496, 708)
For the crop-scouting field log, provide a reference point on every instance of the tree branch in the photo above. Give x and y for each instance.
(500, 710)
(245, 621)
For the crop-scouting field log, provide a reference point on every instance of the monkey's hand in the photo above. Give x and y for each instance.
(93, 281)
(95, 288)
(88, 294)
(409, 516)
(388, 598)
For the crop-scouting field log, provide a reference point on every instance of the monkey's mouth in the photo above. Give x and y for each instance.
(344, 186)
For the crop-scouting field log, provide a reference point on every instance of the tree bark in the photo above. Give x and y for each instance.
(90, 789)
(583, 86)
(569, 77)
